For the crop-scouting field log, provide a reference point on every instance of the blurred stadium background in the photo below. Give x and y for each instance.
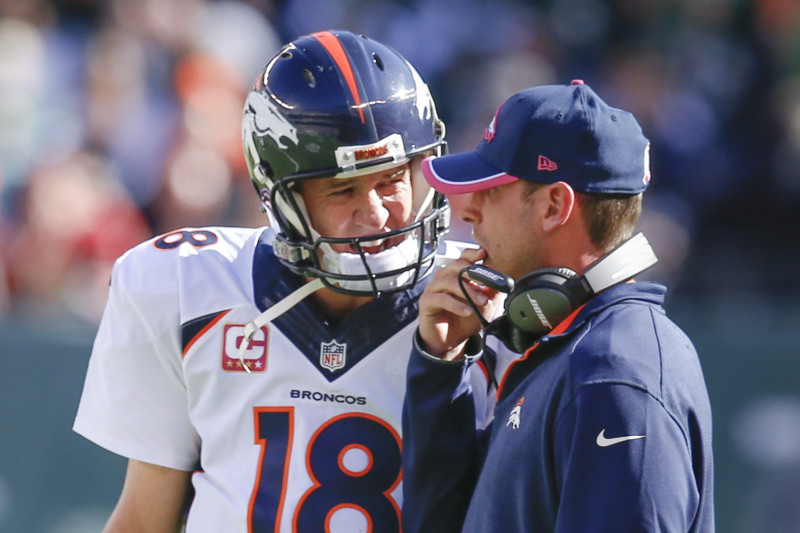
(120, 119)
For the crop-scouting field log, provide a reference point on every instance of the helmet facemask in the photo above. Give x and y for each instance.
(399, 267)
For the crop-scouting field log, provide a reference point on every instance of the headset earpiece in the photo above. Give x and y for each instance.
(543, 298)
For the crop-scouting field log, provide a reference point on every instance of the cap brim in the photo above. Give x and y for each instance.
(462, 173)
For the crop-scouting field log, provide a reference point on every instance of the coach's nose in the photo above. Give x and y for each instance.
(466, 206)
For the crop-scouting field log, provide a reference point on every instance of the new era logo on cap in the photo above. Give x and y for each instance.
(546, 164)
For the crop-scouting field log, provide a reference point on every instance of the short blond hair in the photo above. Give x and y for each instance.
(610, 218)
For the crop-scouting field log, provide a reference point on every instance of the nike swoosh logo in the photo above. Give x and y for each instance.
(603, 441)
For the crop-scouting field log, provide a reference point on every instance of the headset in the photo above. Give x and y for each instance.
(541, 299)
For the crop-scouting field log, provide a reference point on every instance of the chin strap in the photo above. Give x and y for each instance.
(274, 312)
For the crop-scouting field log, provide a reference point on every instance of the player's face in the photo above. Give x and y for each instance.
(365, 205)
(502, 222)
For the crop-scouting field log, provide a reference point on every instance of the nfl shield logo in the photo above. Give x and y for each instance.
(332, 355)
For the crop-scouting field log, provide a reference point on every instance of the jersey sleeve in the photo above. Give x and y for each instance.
(134, 400)
(622, 463)
(440, 444)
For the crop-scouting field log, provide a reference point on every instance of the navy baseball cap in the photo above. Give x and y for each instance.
(547, 134)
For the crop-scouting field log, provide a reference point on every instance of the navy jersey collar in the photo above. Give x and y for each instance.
(308, 328)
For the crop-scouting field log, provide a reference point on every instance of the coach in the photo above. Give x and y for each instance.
(602, 421)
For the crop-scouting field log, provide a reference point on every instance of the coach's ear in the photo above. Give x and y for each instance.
(561, 203)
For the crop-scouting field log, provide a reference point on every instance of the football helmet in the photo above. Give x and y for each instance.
(337, 104)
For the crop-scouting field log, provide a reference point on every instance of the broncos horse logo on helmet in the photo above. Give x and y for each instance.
(336, 104)
(266, 120)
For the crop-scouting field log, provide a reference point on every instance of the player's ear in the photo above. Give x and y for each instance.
(561, 203)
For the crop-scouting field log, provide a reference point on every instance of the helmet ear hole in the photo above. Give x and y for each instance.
(266, 169)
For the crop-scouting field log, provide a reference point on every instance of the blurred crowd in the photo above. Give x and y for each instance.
(121, 119)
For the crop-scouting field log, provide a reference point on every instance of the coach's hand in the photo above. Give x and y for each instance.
(446, 320)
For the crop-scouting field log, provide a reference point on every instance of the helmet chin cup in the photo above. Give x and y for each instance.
(356, 268)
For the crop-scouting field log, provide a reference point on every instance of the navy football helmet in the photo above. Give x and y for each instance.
(336, 104)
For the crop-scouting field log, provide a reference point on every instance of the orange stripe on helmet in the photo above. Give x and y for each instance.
(331, 43)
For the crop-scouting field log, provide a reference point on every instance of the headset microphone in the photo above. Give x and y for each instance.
(490, 278)
(539, 300)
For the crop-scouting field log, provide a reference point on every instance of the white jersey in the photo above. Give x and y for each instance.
(309, 440)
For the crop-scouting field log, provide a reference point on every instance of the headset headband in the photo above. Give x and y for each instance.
(621, 264)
